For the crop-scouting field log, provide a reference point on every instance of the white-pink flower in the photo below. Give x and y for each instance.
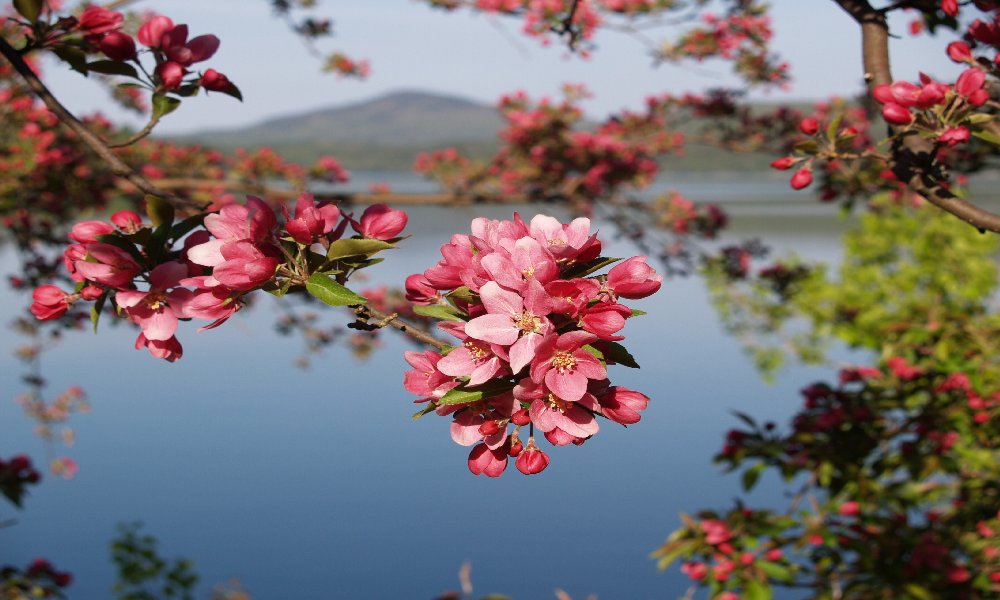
(512, 320)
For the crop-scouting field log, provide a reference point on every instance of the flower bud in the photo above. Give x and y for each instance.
(783, 163)
(809, 126)
(96, 20)
(802, 178)
(959, 52)
(896, 114)
(117, 46)
(488, 428)
(127, 220)
(380, 222)
(532, 460)
(520, 417)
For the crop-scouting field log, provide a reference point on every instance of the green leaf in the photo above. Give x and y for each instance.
(438, 311)
(163, 105)
(181, 229)
(354, 247)
(638, 313)
(833, 126)
(589, 267)
(597, 353)
(95, 310)
(459, 396)
(113, 67)
(776, 571)
(808, 147)
(280, 292)
(29, 9)
(423, 411)
(918, 592)
(460, 293)
(73, 56)
(331, 292)
(755, 590)
(160, 211)
(615, 352)
(988, 136)
(233, 91)
(751, 475)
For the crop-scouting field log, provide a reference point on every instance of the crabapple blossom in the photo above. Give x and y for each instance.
(536, 331)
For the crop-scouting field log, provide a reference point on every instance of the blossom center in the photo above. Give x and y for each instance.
(155, 300)
(563, 361)
(527, 322)
(528, 273)
(556, 403)
(476, 351)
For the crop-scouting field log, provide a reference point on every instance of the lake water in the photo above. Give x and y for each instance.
(316, 484)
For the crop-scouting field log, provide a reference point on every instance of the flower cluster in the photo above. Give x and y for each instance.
(241, 248)
(15, 474)
(39, 580)
(536, 333)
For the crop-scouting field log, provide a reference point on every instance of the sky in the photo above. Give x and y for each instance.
(414, 47)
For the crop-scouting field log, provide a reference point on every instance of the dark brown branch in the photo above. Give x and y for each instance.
(367, 313)
(913, 158)
(118, 166)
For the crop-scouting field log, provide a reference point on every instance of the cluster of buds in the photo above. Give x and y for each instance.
(39, 580)
(942, 112)
(536, 333)
(345, 66)
(15, 474)
(241, 248)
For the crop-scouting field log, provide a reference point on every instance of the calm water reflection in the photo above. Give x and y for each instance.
(316, 484)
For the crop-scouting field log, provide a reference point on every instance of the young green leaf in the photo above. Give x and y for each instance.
(331, 292)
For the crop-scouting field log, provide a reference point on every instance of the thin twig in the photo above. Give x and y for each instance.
(148, 129)
(118, 166)
(366, 313)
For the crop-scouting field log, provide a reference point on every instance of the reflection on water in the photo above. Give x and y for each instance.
(316, 484)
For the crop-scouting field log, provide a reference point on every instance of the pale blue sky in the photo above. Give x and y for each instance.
(412, 46)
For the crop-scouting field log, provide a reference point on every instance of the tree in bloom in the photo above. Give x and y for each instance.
(536, 331)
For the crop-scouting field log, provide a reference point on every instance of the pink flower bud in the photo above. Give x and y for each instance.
(850, 508)
(50, 302)
(91, 292)
(520, 417)
(954, 135)
(117, 46)
(171, 74)
(950, 7)
(96, 20)
(87, 232)
(151, 32)
(970, 82)
(809, 126)
(214, 81)
(783, 163)
(802, 178)
(488, 428)
(532, 460)
(380, 222)
(202, 48)
(883, 93)
(127, 220)
(896, 114)
(959, 52)
(634, 279)
(484, 461)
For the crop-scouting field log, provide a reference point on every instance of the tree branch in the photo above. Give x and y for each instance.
(366, 313)
(118, 166)
(913, 158)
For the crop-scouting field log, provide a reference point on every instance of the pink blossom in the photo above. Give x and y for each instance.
(380, 222)
(311, 221)
(425, 379)
(126, 220)
(570, 297)
(634, 279)
(156, 311)
(970, 85)
(565, 367)
(512, 321)
(214, 81)
(527, 261)
(570, 242)
(468, 426)
(477, 360)
(246, 265)
(420, 291)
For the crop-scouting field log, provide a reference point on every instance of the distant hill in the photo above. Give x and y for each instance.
(387, 133)
(383, 133)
